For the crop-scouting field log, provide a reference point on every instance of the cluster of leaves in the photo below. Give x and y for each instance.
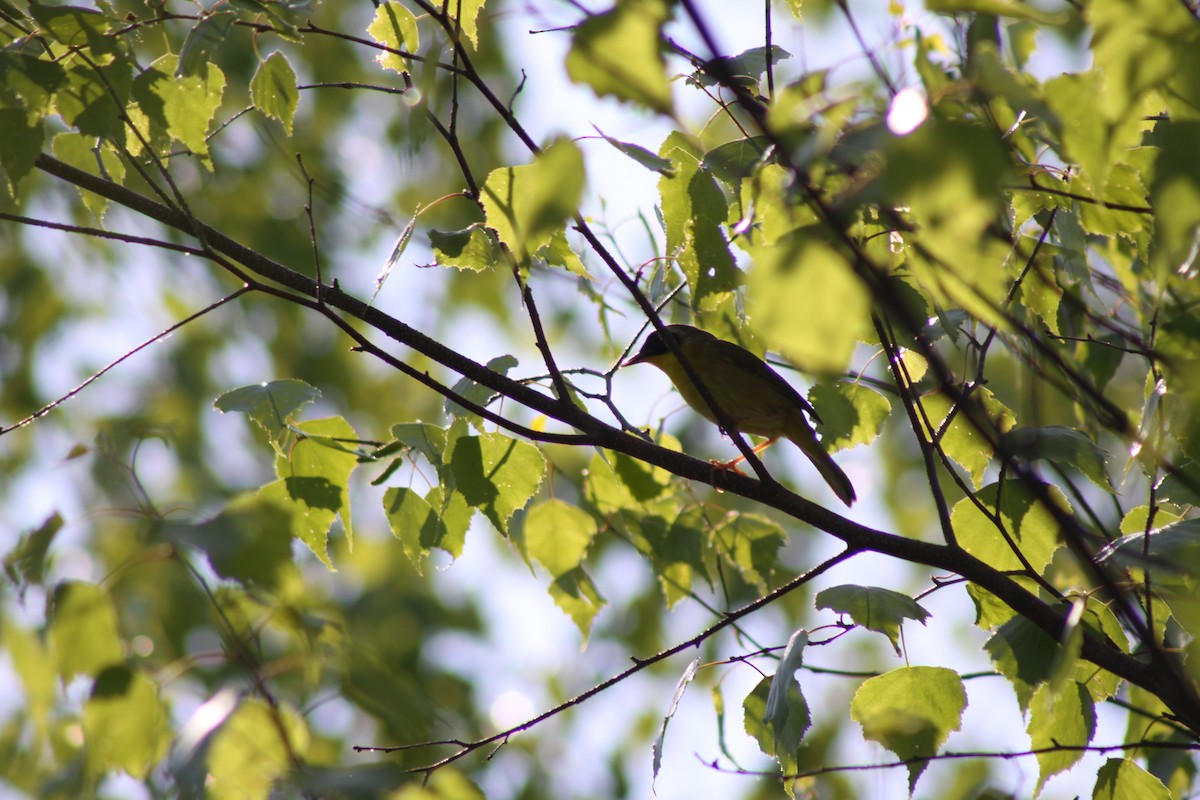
(1019, 265)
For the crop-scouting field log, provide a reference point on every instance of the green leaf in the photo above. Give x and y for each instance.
(1061, 446)
(751, 543)
(476, 392)
(474, 248)
(1065, 718)
(272, 406)
(394, 26)
(184, 104)
(576, 595)
(80, 152)
(25, 564)
(84, 636)
(77, 27)
(799, 719)
(1024, 654)
(93, 99)
(454, 516)
(557, 535)
(677, 551)
(746, 68)
(446, 783)
(428, 440)
(910, 711)
(1029, 525)
(641, 155)
(735, 161)
(202, 41)
(1066, 659)
(1179, 484)
(807, 303)
(248, 542)
(876, 609)
(680, 687)
(999, 8)
(559, 253)
(314, 477)
(35, 81)
(21, 141)
(414, 522)
(1175, 195)
(851, 414)
(694, 211)
(961, 439)
(527, 205)
(615, 481)
(256, 746)
(35, 667)
(949, 177)
(1028, 657)
(468, 18)
(126, 725)
(496, 474)
(782, 697)
(619, 54)
(1124, 779)
(1172, 552)
(273, 90)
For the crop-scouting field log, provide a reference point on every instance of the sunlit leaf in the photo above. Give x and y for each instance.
(270, 405)
(694, 210)
(84, 634)
(876, 609)
(1065, 718)
(527, 205)
(248, 541)
(273, 89)
(256, 746)
(798, 716)
(1025, 526)
(746, 68)
(910, 711)
(782, 697)
(25, 565)
(557, 535)
(497, 474)
(968, 439)
(1060, 446)
(313, 482)
(851, 414)
(680, 687)
(394, 26)
(202, 40)
(619, 54)
(472, 248)
(751, 543)
(1121, 778)
(807, 303)
(125, 723)
(576, 594)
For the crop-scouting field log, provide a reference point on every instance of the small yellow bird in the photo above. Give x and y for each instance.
(755, 398)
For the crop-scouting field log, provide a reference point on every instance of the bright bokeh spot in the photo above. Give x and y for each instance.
(908, 111)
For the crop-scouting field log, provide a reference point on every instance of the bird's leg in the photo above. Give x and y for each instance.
(732, 465)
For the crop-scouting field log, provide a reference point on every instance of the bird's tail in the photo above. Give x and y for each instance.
(806, 440)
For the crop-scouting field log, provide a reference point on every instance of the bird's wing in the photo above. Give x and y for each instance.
(760, 370)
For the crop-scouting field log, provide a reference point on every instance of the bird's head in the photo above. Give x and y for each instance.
(655, 349)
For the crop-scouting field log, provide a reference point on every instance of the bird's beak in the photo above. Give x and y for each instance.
(637, 359)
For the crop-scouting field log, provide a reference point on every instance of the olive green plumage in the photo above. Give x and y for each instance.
(755, 398)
